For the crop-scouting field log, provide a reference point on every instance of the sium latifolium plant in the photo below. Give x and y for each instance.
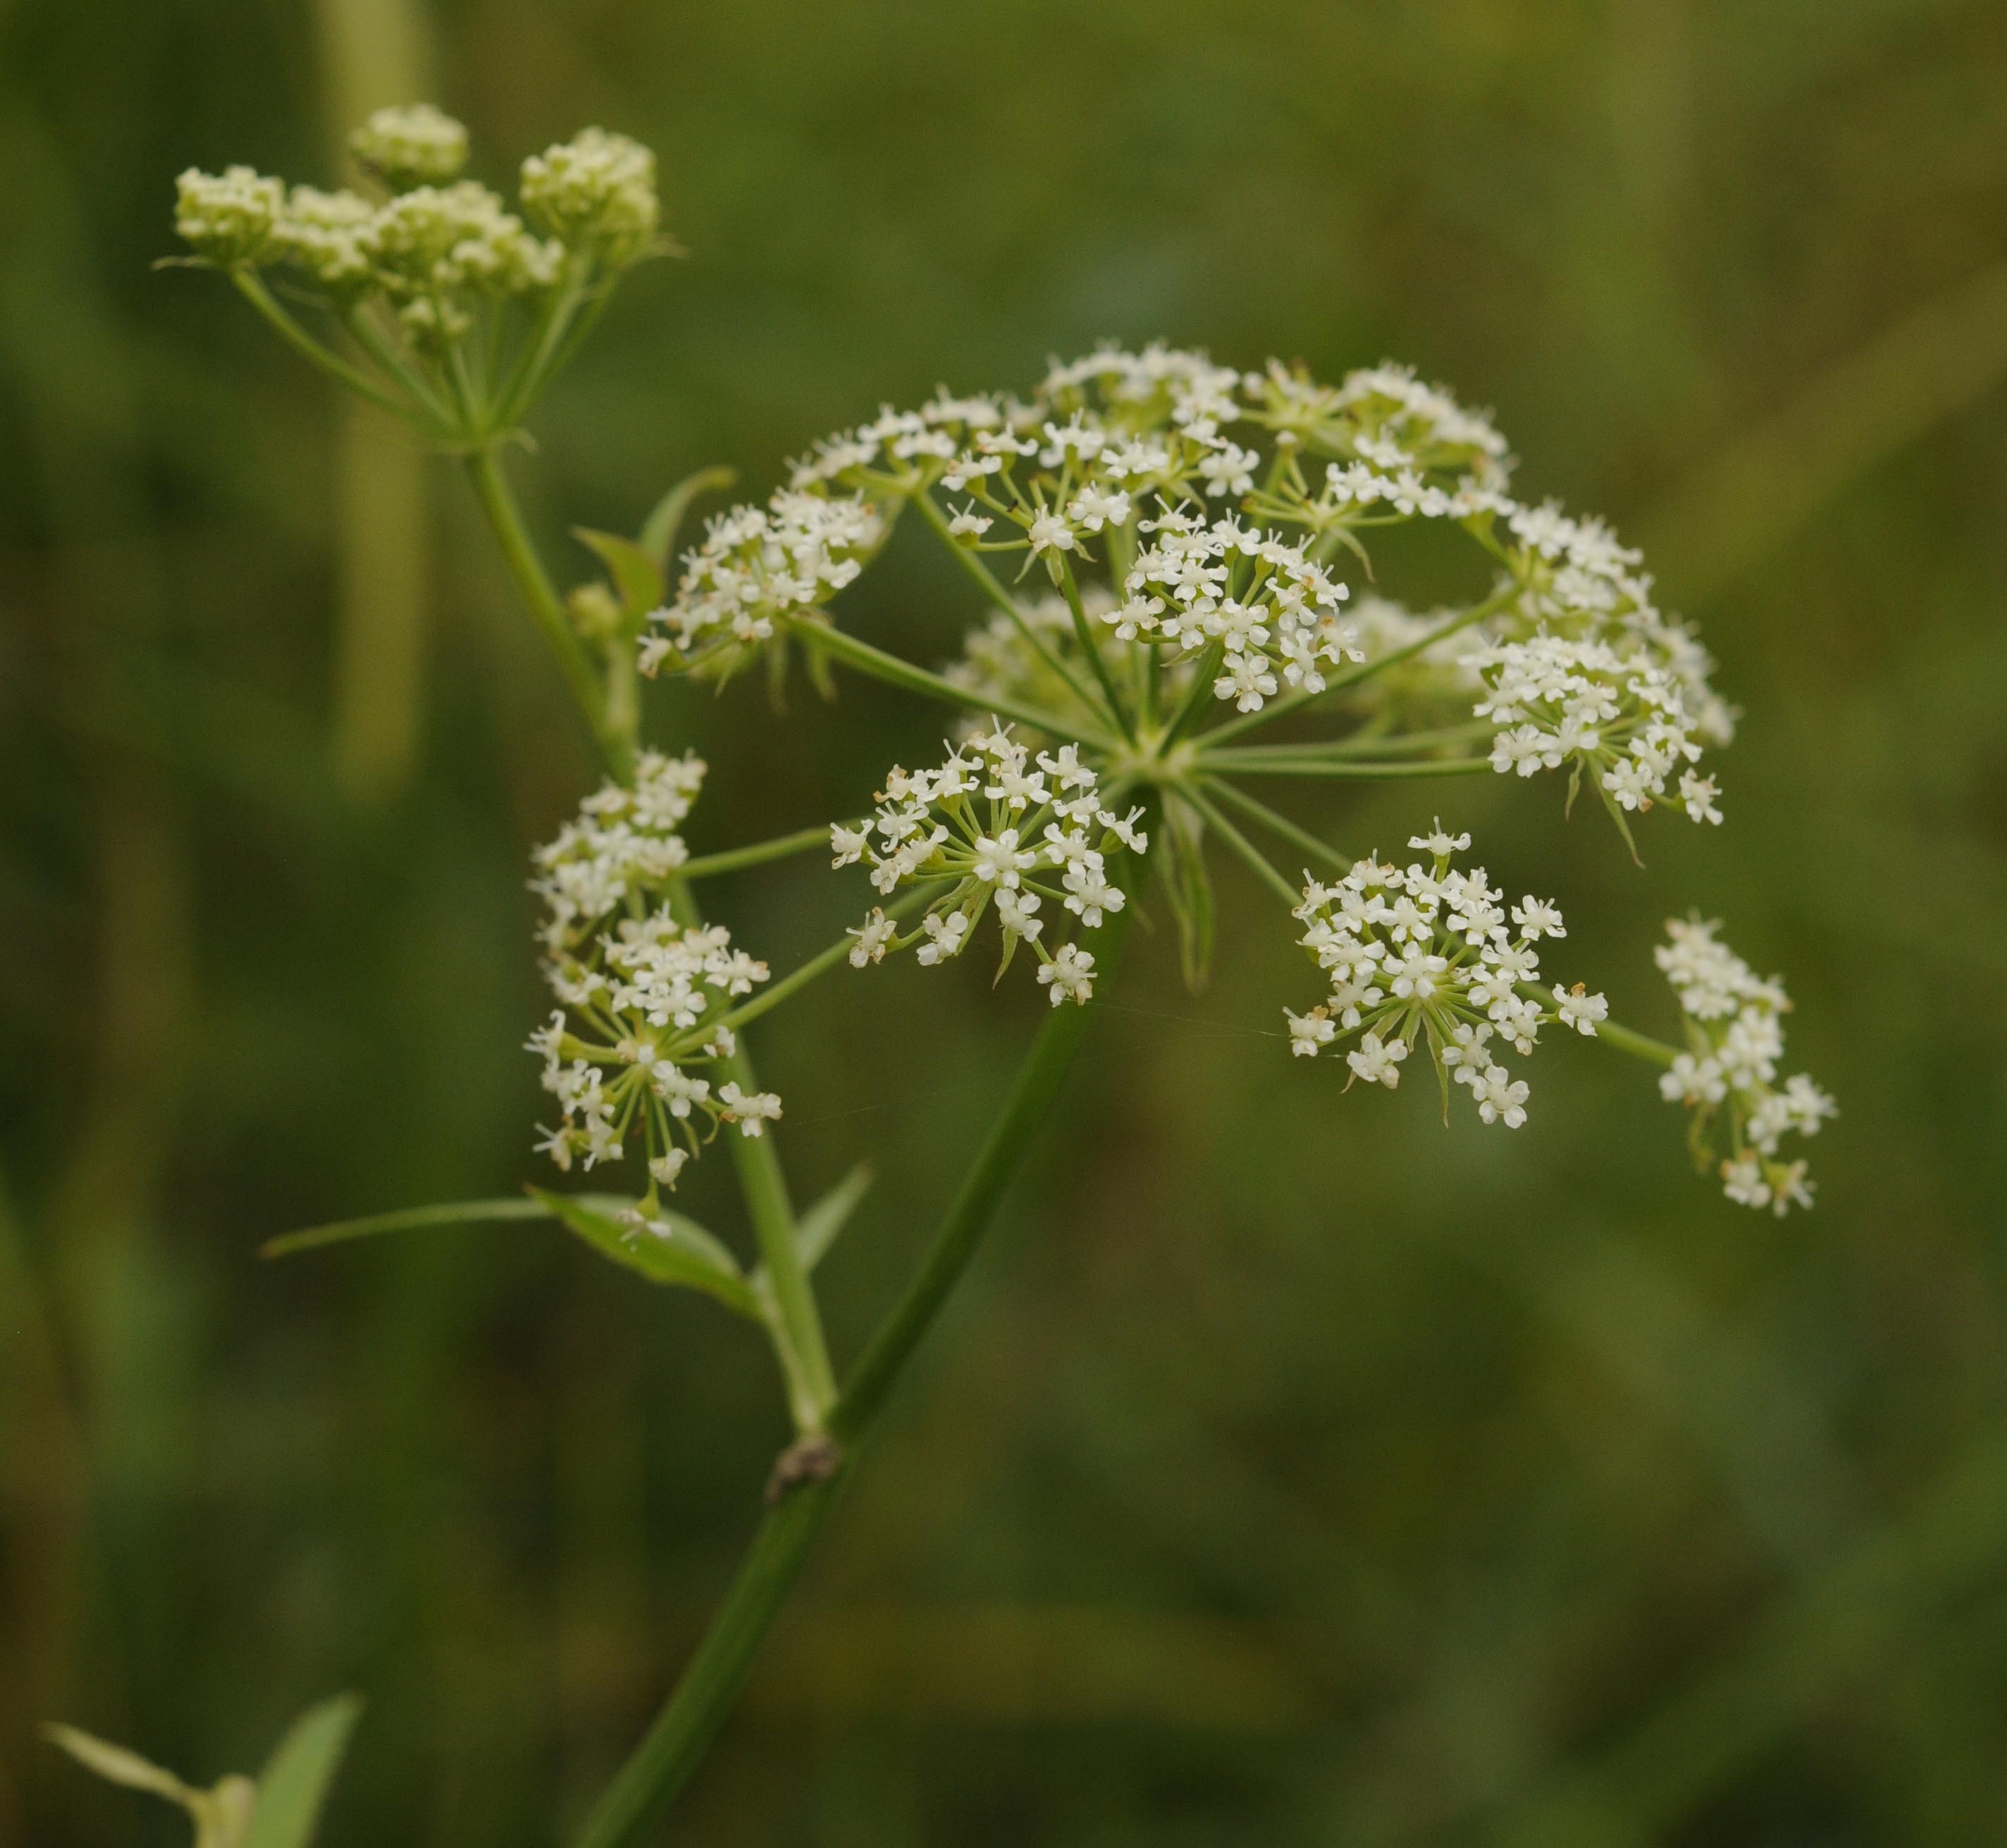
(1172, 609)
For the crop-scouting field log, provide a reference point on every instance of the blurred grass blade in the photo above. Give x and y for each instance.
(816, 1229)
(416, 1218)
(684, 1253)
(665, 518)
(293, 1784)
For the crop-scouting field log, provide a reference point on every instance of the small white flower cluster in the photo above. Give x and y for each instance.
(993, 824)
(596, 192)
(1583, 670)
(415, 146)
(1270, 612)
(1728, 1076)
(431, 247)
(1624, 718)
(623, 840)
(643, 993)
(227, 217)
(1424, 951)
(756, 565)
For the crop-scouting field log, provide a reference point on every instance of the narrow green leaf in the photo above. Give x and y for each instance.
(221, 1814)
(685, 1254)
(1189, 887)
(117, 1765)
(416, 1218)
(635, 576)
(293, 1784)
(816, 1229)
(664, 521)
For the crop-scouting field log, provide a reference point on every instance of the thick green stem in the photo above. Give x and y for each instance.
(674, 1745)
(1037, 1082)
(505, 519)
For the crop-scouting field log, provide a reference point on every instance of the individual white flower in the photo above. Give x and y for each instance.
(874, 936)
(1310, 1033)
(1377, 1064)
(751, 1110)
(1070, 974)
(1049, 532)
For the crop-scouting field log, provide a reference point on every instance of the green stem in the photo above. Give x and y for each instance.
(673, 1746)
(1258, 862)
(895, 672)
(823, 960)
(1083, 631)
(1295, 702)
(765, 1186)
(1366, 741)
(254, 291)
(1268, 763)
(779, 849)
(1279, 825)
(986, 581)
(505, 519)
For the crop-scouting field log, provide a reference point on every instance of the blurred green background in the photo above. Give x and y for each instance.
(1292, 1470)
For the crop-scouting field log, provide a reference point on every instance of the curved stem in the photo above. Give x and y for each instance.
(895, 672)
(1083, 631)
(672, 1747)
(254, 291)
(987, 582)
(505, 518)
(757, 854)
(1279, 825)
(1258, 862)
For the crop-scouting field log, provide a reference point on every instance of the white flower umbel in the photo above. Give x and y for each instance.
(644, 996)
(623, 842)
(596, 191)
(1255, 605)
(995, 824)
(1423, 952)
(418, 145)
(227, 218)
(1727, 1077)
(1199, 517)
(756, 565)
